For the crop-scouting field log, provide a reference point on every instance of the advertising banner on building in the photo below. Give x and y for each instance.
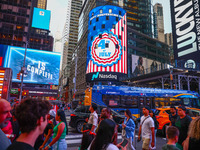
(185, 16)
(107, 43)
(141, 65)
(42, 66)
(41, 18)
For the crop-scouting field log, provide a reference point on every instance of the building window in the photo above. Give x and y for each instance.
(103, 26)
(107, 17)
(97, 19)
(110, 10)
(107, 45)
(101, 11)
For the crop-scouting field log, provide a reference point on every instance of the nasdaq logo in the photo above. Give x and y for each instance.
(95, 76)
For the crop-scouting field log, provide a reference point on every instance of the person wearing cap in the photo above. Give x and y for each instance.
(147, 129)
(49, 129)
(182, 123)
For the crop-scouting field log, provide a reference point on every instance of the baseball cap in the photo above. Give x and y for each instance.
(182, 107)
(52, 113)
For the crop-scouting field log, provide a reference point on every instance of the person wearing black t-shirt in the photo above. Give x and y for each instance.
(32, 118)
(182, 123)
(173, 116)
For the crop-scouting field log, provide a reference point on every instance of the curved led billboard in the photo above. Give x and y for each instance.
(107, 44)
(42, 66)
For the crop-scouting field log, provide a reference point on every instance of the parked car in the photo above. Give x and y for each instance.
(77, 118)
(162, 116)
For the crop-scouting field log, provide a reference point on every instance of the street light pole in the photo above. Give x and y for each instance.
(23, 68)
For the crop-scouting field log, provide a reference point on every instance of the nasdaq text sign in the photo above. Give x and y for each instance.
(186, 31)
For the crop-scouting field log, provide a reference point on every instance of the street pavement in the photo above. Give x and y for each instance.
(73, 139)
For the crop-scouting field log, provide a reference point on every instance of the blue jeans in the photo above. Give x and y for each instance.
(60, 145)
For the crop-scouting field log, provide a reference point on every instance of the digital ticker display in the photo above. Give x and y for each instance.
(41, 18)
(42, 66)
(107, 43)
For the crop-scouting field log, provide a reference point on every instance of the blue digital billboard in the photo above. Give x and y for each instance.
(41, 18)
(107, 43)
(42, 66)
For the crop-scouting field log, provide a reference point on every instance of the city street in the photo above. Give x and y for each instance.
(74, 139)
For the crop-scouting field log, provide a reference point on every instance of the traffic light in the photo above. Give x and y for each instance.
(18, 76)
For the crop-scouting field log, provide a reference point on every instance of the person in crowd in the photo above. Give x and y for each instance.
(49, 129)
(93, 119)
(86, 140)
(129, 126)
(173, 116)
(106, 114)
(156, 124)
(172, 136)
(147, 129)
(182, 123)
(60, 131)
(5, 116)
(104, 137)
(32, 118)
(193, 140)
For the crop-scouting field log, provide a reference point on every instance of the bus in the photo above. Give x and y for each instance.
(120, 98)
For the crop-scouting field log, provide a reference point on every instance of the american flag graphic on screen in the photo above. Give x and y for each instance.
(107, 40)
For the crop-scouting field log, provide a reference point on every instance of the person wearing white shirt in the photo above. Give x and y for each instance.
(93, 119)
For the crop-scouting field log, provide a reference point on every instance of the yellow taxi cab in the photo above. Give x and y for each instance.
(162, 116)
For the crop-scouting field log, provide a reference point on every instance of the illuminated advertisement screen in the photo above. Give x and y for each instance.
(186, 32)
(42, 66)
(41, 18)
(107, 43)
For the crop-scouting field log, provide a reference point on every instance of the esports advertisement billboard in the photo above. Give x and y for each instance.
(107, 44)
(41, 18)
(186, 32)
(42, 66)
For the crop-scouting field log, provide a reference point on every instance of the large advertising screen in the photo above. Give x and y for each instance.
(142, 65)
(41, 18)
(42, 66)
(107, 43)
(186, 32)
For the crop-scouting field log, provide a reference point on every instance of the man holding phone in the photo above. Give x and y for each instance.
(147, 129)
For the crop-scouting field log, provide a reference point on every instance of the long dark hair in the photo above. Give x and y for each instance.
(61, 113)
(128, 112)
(104, 135)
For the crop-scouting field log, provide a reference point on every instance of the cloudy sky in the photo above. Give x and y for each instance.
(59, 8)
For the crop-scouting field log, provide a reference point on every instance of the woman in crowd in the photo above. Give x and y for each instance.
(104, 137)
(129, 127)
(156, 124)
(193, 140)
(60, 131)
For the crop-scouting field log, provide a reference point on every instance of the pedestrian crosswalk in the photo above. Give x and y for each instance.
(75, 140)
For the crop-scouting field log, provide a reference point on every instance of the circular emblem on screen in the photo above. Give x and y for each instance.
(106, 49)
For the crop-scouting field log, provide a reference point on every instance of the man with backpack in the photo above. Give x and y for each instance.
(147, 129)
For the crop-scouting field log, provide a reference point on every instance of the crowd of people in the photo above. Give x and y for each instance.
(36, 126)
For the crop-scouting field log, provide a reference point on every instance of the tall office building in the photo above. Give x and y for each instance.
(158, 22)
(15, 15)
(169, 39)
(70, 36)
(139, 39)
